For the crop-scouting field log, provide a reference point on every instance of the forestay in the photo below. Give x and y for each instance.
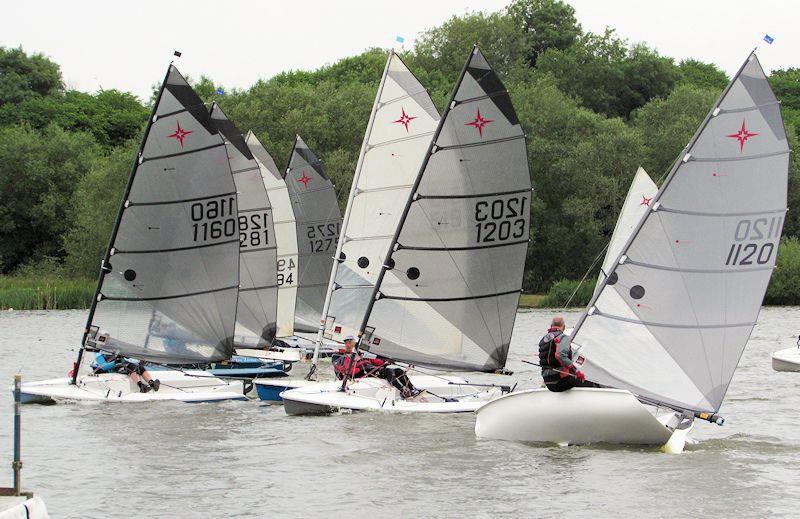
(285, 235)
(258, 289)
(397, 138)
(448, 292)
(677, 307)
(169, 286)
(318, 221)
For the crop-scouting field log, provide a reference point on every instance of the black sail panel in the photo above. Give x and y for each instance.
(170, 287)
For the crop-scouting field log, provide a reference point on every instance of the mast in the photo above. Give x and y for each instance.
(104, 265)
(683, 157)
(411, 197)
(345, 220)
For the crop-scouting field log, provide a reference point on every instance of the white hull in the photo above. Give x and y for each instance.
(576, 417)
(786, 360)
(189, 386)
(374, 394)
(300, 349)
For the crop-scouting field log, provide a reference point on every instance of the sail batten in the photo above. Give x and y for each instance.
(677, 302)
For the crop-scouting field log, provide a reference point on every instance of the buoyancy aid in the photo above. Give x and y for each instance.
(553, 369)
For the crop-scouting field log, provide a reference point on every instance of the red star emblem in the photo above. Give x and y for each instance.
(479, 122)
(404, 118)
(304, 180)
(742, 135)
(645, 200)
(180, 134)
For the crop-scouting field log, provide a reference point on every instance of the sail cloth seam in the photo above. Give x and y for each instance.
(698, 213)
(446, 299)
(476, 195)
(695, 271)
(182, 201)
(179, 296)
(493, 246)
(438, 148)
(668, 325)
(692, 158)
(750, 109)
(159, 157)
(481, 98)
(400, 98)
(379, 189)
(176, 112)
(371, 147)
(178, 249)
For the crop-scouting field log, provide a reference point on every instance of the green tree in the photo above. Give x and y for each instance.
(547, 24)
(702, 75)
(23, 76)
(38, 173)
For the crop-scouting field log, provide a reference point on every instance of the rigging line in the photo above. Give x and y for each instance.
(245, 170)
(596, 258)
(409, 95)
(497, 93)
(721, 215)
(241, 211)
(448, 299)
(177, 249)
(180, 154)
(479, 143)
(696, 271)
(748, 109)
(245, 251)
(440, 249)
(692, 158)
(676, 326)
(176, 112)
(182, 201)
(379, 189)
(161, 298)
(474, 195)
(371, 147)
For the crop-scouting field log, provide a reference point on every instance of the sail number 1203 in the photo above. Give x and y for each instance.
(500, 220)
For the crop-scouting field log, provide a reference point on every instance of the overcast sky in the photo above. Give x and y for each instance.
(127, 45)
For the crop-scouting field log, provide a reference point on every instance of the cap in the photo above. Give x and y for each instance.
(349, 338)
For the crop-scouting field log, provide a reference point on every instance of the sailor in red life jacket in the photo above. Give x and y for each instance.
(345, 364)
(555, 358)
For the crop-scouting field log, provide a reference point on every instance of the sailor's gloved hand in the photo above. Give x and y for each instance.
(580, 376)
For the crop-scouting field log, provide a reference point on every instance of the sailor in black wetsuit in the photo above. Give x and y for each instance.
(555, 358)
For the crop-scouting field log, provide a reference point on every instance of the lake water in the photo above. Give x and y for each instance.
(248, 459)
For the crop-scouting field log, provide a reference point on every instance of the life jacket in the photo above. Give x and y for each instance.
(552, 369)
(342, 365)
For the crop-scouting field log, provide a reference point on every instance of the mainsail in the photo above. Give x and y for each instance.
(402, 122)
(449, 286)
(169, 283)
(285, 235)
(258, 288)
(676, 307)
(318, 222)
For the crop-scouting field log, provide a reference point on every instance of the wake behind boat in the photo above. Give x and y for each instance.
(168, 285)
(675, 307)
(443, 291)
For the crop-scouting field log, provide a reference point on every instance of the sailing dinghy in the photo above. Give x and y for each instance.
(675, 308)
(788, 359)
(168, 285)
(435, 281)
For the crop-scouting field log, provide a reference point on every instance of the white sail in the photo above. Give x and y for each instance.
(285, 236)
(676, 309)
(637, 202)
(397, 138)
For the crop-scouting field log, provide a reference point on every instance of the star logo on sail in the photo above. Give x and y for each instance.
(180, 134)
(742, 135)
(479, 123)
(304, 180)
(645, 200)
(404, 118)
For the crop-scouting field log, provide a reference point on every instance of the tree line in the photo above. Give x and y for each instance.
(594, 107)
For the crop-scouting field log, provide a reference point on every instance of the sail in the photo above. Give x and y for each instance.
(672, 317)
(402, 124)
(318, 222)
(450, 285)
(637, 202)
(258, 289)
(285, 235)
(169, 289)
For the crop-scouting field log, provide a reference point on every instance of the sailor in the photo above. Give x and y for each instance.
(116, 363)
(555, 358)
(345, 364)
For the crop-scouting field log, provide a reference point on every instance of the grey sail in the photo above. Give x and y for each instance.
(676, 309)
(318, 221)
(449, 288)
(168, 290)
(258, 289)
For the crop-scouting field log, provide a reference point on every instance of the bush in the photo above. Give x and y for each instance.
(561, 291)
(784, 288)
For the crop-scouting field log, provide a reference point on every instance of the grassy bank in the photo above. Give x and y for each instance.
(45, 293)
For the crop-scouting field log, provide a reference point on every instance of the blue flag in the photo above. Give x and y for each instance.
(769, 39)
(220, 91)
(399, 39)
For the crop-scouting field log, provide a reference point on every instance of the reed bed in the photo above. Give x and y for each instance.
(37, 293)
